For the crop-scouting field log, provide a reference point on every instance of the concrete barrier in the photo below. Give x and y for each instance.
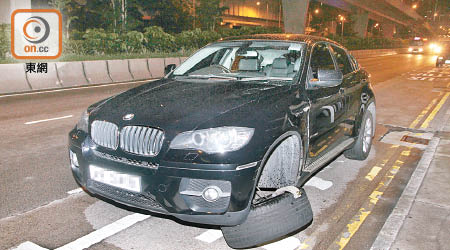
(156, 67)
(96, 72)
(182, 59)
(13, 78)
(71, 74)
(139, 69)
(47, 80)
(119, 70)
(172, 60)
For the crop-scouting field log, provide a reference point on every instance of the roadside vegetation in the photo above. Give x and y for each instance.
(120, 29)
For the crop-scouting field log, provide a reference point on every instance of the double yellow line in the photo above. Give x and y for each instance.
(357, 220)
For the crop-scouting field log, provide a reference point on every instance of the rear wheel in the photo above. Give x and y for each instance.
(363, 144)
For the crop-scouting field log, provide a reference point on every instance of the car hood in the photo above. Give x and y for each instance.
(180, 105)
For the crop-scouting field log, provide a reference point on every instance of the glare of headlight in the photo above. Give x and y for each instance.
(410, 49)
(437, 49)
(420, 49)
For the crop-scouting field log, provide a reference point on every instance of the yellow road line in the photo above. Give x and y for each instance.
(373, 173)
(424, 112)
(426, 123)
(357, 220)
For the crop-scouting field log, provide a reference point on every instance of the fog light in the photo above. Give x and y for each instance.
(211, 193)
(73, 159)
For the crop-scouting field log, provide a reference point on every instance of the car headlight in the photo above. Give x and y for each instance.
(83, 122)
(420, 49)
(441, 58)
(213, 140)
(410, 49)
(437, 49)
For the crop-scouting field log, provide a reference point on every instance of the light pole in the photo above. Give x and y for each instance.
(342, 18)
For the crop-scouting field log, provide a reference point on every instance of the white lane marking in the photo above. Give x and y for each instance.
(373, 173)
(28, 245)
(289, 243)
(210, 235)
(319, 183)
(75, 88)
(50, 119)
(75, 191)
(104, 232)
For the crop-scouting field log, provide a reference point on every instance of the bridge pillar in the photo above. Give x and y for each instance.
(388, 30)
(361, 23)
(295, 15)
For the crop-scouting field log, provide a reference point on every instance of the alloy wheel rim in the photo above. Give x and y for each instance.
(367, 137)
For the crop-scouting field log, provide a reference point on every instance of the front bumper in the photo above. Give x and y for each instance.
(167, 188)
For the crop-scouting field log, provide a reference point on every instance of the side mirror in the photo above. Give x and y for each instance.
(328, 78)
(169, 68)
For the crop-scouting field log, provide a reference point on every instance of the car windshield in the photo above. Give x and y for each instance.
(271, 61)
(416, 43)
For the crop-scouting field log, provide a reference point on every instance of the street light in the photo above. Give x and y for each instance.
(258, 3)
(317, 11)
(414, 6)
(342, 18)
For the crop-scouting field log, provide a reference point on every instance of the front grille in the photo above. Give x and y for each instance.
(105, 134)
(143, 164)
(141, 140)
(140, 200)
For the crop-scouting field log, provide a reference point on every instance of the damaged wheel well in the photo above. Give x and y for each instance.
(283, 164)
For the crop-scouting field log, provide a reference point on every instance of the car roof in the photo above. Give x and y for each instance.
(309, 39)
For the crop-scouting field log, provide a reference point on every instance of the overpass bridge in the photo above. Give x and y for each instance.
(390, 13)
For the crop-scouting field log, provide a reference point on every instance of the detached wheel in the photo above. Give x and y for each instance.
(363, 144)
(270, 220)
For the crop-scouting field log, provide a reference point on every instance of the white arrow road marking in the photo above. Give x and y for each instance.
(319, 183)
(289, 243)
(104, 232)
(210, 235)
(28, 245)
(47, 120)
(75, 191)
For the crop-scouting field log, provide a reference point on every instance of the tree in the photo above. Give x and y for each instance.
(209, 13)
(172, 15)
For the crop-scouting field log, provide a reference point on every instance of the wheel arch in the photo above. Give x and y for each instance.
(269, 170)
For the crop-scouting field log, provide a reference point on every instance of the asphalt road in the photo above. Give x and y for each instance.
(350, 199)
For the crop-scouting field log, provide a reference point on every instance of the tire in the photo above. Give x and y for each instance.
(363, 144)
(270, 220)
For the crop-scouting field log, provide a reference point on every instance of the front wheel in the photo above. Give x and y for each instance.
(363, 144)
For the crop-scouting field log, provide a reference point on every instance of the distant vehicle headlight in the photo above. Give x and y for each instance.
(420, 50)
(410, 49)
(214, 140)
(83, 122)
(437, 49)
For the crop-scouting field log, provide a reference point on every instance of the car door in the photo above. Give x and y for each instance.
(350, 89)
(327, 109)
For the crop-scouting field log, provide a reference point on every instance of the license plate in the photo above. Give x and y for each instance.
(116, 179)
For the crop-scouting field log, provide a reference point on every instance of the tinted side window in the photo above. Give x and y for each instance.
(355, 63)
(342, 60)
(321, 59)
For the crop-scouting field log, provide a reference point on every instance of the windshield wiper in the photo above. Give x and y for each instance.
(212, 76)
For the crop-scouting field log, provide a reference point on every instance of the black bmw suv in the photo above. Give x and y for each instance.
(231, 135)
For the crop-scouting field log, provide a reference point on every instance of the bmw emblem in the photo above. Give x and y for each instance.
(128, 117)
